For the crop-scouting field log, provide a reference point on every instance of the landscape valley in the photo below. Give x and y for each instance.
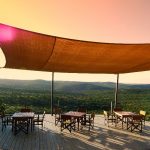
(69, 95)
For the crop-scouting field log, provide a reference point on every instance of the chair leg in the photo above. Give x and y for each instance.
(3, 124)
(107, 122)
(89, 126)
(141, 126)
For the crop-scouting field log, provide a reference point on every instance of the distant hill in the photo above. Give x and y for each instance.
(67, 86)
(25, 84)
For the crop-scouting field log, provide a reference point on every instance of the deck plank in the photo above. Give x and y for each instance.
(50, 137)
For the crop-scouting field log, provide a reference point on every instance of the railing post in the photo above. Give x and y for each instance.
(52, 92)
(116, 92)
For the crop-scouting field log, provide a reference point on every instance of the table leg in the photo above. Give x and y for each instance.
(78, 120)
(122, 122)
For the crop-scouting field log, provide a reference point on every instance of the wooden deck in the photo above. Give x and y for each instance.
(101, 137)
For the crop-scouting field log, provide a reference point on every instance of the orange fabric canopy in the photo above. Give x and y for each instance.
(33, 51)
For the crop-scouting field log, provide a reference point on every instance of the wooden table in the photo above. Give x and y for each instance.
(22, 117)
(77, 115)
(122, 116)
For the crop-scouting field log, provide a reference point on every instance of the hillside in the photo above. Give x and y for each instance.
(67, 86)
(95, 96)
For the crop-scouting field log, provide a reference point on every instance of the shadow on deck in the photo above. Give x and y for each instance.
(101, 137)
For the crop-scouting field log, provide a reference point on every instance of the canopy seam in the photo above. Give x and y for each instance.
(50, 54)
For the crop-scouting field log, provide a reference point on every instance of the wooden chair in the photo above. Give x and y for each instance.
(38, 119)
(57, 113)
(89, 121)
(3, 120)
(135, 122)
(82, 120)
(143, 114)
(8, 118)
(20, 124)
(67, 122)
(116, 109)
(108, 117)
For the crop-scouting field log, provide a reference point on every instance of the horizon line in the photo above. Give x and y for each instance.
(71, 81)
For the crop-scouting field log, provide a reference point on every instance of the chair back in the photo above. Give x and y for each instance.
(2, 114)
(117, 109)
(57, 111)
(43, 114)
(65, 117)
(25, 110)
(39, 119)
(82, 109)
(105, 113)
(92, 116)
(137, 118)
(142, 112)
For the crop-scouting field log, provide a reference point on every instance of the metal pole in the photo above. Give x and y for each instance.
(52, 92)
(116, 92)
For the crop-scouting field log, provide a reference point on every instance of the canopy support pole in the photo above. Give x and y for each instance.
(116, 92)
(52, 92)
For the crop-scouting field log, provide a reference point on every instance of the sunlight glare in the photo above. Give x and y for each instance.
(6, 33)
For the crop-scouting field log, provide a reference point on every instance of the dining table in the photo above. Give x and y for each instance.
(21, 120)
(123, 117)
(76, 115)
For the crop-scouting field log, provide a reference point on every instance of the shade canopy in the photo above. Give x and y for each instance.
(34, 51)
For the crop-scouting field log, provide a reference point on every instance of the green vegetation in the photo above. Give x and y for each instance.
(91, 97)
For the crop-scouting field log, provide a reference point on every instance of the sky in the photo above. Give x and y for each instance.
(112, 21)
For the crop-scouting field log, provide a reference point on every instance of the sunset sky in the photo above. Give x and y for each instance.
(112, 21)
